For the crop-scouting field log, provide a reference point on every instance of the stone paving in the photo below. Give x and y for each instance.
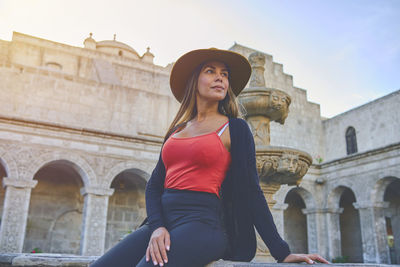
(49, 260)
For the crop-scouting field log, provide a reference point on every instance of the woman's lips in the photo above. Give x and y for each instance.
(218, 87)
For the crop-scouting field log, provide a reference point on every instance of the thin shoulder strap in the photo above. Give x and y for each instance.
(223, 128)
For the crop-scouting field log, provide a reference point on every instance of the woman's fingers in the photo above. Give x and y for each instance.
(163, 252)
(158, 259)
(319, 258)
(153, 256)
(308, 260)
(158, 246)
(311, 258)
(148, 253)
(167, 241)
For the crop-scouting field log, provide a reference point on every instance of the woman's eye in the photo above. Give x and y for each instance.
(209, 71)
(225, 74)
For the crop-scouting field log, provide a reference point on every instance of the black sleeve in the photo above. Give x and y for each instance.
(154, 190)
(262, 216)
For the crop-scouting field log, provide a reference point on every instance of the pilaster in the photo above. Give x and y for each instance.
(278, 211)
(373, 231)
(333, 232)
(312, 229)
(15, 214)
(94, 220)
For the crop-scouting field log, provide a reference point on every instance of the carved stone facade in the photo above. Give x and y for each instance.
(91, 120)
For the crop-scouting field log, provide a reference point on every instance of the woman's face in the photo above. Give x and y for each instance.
(213, 81)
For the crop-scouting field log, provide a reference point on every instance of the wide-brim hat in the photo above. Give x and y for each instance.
(238, 66)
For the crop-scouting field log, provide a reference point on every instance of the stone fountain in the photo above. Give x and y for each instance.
(276, 165)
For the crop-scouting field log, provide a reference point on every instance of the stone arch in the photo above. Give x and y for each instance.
(9, 164)
(378, 192)
(335, 195)
(140, 168)
(85, 171)
(307, 197)
(126, 209)
(57, 192)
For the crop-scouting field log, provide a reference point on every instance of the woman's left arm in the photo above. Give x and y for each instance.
(262, 216)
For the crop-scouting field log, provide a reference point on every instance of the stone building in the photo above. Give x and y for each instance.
(81, 129)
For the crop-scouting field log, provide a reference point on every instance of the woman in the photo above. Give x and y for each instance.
(203, 198)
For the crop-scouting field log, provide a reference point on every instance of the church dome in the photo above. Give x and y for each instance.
(117, 48)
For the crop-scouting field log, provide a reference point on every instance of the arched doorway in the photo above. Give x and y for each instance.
(392, 217)
(126, 208)
(3, 173)
(295, 223)
(350, 229)
(55, 212)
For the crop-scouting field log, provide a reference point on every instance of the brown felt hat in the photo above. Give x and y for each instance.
(239, 69)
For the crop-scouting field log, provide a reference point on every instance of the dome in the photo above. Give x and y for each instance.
(89, 42)
(116, 47)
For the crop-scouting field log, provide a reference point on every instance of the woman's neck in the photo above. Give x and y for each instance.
(206, 110)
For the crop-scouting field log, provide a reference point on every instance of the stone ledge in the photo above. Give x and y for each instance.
(61, 260)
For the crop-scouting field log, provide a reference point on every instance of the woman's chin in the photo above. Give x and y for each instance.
(214, 97)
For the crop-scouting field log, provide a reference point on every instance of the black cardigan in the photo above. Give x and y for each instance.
(243, 200)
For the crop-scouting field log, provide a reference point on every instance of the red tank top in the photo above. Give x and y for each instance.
(196, 163)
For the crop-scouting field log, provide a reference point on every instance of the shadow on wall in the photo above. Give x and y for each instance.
(295, 223)
(350, 229)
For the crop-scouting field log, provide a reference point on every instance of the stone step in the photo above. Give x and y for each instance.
(63, 260)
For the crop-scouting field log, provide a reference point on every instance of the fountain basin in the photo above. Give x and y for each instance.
(282, 165)
(269, 102)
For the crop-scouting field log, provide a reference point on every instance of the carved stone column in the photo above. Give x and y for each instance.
(269, 189)
(94, 220)
(15, 214)
(373, 232)
(333, 227)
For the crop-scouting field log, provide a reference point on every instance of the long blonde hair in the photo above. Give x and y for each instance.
(188, 109)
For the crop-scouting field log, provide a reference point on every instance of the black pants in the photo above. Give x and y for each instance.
(193, 220)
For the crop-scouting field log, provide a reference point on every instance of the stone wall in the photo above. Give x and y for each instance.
(377, 124)
(75, 95)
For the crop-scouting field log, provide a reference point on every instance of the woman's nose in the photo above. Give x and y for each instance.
(218, 76)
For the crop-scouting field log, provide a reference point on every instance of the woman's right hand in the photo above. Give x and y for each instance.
(158, 246)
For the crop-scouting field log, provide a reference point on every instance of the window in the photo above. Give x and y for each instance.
(54, 66)
(351, 141)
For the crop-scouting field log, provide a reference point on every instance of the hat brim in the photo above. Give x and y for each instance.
(239, 69)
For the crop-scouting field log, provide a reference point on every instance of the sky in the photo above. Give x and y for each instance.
(345, 53)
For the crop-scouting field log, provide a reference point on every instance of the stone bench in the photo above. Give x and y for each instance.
(62, 260)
